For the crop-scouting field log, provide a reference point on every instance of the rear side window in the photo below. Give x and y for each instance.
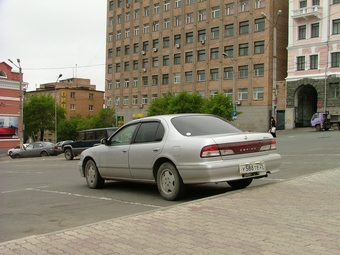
(90, 135)
(149, 132)
(100, 134)
(81, 136)
(202, 125)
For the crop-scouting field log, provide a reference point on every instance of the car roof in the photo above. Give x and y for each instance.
(168, 117)
(96, 129)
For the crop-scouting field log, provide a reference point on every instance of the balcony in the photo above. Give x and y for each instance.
(307, 12)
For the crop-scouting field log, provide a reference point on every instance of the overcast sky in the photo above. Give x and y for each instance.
(53, 37)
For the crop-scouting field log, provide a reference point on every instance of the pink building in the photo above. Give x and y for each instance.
(313, 60)
(9, 106)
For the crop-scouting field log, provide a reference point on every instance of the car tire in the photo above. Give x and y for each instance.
(93, 178)
(68, 154)
(16, 156)
(169, 182)
(318, 128)
(240, 184)
(43, 154)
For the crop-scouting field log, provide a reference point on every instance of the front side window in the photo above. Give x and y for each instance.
(123, 136)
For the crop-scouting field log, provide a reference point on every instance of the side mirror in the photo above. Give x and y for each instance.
(103, 141)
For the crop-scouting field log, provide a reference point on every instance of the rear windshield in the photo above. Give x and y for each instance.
(202, 125)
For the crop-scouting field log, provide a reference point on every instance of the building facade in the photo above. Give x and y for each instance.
(160, 46)
(76, 95)
(9, 106)
(313, 61)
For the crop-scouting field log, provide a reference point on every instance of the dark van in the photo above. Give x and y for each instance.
(86, 139)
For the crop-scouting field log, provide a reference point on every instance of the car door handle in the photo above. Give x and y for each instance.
(124, 150)
(155, 149)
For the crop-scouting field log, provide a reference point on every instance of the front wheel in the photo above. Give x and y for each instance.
(43, 154)
(318, 128)
(16, 156)
(68, 154)
(169, 182)
(240, 184)
(93, 178)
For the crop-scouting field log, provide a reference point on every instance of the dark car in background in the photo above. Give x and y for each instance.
(86, 139)
(58, 147)
(35, 149)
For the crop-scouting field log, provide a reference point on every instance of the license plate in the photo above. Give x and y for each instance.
(252, 168)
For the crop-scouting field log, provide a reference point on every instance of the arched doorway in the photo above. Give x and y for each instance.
(306, 99)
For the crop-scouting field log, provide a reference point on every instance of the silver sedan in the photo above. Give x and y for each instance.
(177, 150)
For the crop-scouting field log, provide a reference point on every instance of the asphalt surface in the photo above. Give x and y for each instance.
(297, 216)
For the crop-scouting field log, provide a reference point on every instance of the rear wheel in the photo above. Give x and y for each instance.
(317, 128)
(43, 154)
(93, 178)
(169, 182)
(240, 184)
(68, 154)
(16, 156)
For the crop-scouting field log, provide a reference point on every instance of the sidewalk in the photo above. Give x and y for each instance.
(299, 216)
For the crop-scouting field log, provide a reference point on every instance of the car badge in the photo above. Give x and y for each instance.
(245, 137)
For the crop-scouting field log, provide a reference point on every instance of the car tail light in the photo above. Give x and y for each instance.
(226, 149)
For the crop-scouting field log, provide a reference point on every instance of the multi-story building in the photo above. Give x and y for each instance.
(313, 60)
(10, 117)
(160, 46)
(76, 95)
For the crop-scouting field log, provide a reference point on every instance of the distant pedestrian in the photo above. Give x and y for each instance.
(272, 129)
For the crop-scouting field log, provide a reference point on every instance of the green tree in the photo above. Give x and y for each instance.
(219, 105)
(160, 105)
(39, 114)
(186, 103)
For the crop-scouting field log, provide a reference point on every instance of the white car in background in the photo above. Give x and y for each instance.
(10, 151)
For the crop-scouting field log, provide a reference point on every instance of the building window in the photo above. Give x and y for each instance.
(127, 49)
(260, 4)
(155, 62)
(135, 65)
(315, 30)
(166, 23)
(109, 69)
(258, 94)
(166, 42)
(117, 100)
(214, 75)
(244, 27)
(303, 3)
(189, 37)
(109, 85)
(136, 14)
(136, 48)
(108, 101)
(110, 21)
(243, 49)
(229, 30)
(259, 47)
(127, 16)
(118, 51)
(302, 32)
(126, 66)
(201, 75)
(155, 26)
(145, 63)
(145, 46)
(126, 83)
(229, 9)
(154, 79)
(146, 11)
(134, 100)
(229, 50)
(242, 94)
(110, 37)
(201, 55)
(154, 96)
(189, 2)
(300, 63)
(214, 53)
(334, 90)
(189, 18)
(119, 19)
(111, 5)
(126, 100)
(188, 76)
(215, 12)
(201, 35)
(189, 57)
(313, 62)
(178, 3)
(244, 5)
(166, 5)
(119, 3)
(144, 99)
(215, 32)
(336, 1)
(202, 15)
(145, 81)
(243, 71)
(146, 28)
(91, 108)
(156, 8)
(117, 84)
(136, 30)
(258, 70)
(118, 67)
(177, 78)
(228, 73)
(177, 59)
(178, 21)
(316, 2)
(177, 39)
(155, 43)
(72, 107)
(135, 82)
(335, 59)
(336, 26)
(259, 24)
(73, 94)
(119, 35)
(165, 79)
(166, 60)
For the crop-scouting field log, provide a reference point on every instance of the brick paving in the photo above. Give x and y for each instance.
(298, 216)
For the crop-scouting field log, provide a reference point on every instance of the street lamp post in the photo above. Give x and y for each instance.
(55, 108)
(21, 125)
(274, 60)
